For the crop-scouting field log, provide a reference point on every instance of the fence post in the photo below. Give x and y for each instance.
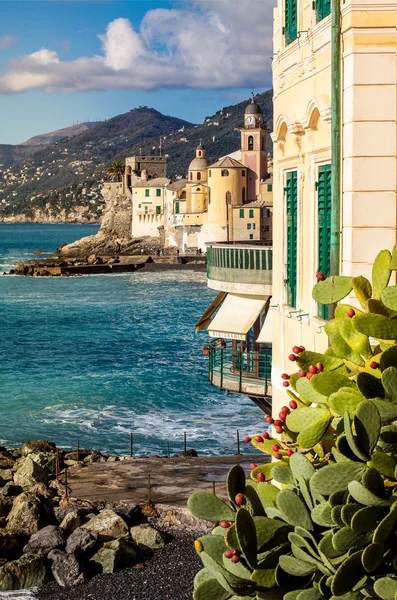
(238, 441)
(168, 450)
(149, 491)
(66, 484)
(221, 382)
(184, 444)
(213, 488)
(57, 465)
(78, 452)
(131, 444)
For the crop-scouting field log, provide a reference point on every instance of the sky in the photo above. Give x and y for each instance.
(63, 62)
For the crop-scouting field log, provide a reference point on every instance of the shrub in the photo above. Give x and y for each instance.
(331, 530)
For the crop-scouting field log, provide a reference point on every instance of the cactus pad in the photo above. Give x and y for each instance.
(370, 386)
(367, 422)
(383, 463)
(246, 535)
(296, 567)
(313, 433)
(282, 474)
(345, 538)
(300, 465)
(336, 477)
(376, 326)
(358, 342)
(307, 392)
(381, 273)
(332, 289)
(204, 505)
(388, 358)
(348, 574)
(360, 493)
(294, 509)
(300, 418)
(386, 526)
(328, 383)
(235, 482)
(372, 557)
(386, 588)
(210, 589)
(345, 399)
(362, 289)
(389, 382)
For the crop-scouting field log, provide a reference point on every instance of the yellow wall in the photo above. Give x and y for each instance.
(246, 226)
(302, 142)
(196, 196)
(218, 214)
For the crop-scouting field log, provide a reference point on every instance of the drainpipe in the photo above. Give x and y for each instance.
(336, 130)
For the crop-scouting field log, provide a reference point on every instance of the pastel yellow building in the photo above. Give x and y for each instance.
(148, 206)
(334, 181)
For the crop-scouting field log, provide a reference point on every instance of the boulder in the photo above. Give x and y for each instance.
(6, 462)
(27, 572)
(83, 453)
(107, 524)
(95, 456)
(65, 569)
(36, 446)
(71, 522)
(113, 556)
(81, 541)
(6, 474)
(46, 539)
(60, 512)
(5, 505)
(46, 460)
(40, 489)
(26, 514)
(11, 489)
(10, 545)
(30, 473)
(131, 513)
(144, 535)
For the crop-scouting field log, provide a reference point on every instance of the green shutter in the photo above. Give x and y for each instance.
(291, 21)
(177, 208)
(324, 227)
(158, 192)
(147, 193)
(323, 9)
(291, 194)
(241, 213)
(158, 210)
(269, 187)
(251, 214)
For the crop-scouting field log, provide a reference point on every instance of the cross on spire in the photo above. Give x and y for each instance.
(200, 141)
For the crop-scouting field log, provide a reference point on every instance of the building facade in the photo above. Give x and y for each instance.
(306, 69)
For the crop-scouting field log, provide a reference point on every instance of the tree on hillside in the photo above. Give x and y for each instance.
(116, 169)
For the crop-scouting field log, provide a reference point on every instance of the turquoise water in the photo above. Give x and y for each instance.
(96, 357)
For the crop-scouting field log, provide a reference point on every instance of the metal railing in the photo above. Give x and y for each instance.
(230, 366)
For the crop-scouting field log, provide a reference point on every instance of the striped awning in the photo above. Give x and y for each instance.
(236, 316)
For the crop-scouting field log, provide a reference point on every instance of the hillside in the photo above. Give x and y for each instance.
(68, 174)
(44, 139)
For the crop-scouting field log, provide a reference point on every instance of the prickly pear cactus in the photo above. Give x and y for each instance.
(318, 520)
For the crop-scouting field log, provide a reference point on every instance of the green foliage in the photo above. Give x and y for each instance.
(323, 524)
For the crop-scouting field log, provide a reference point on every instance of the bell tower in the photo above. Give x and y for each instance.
(253, 148)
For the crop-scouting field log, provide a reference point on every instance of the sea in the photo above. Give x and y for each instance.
(95, 358)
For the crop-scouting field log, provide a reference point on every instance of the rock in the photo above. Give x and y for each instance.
(16, 453)
(30, 473)
(6, 474)
(9, 545)
(42, 490)
(144, 535)
(11, 489)
(83, 453)
(46, 460)
(6, 462)
(113, 556)
(5, 505)
(65, 569)
(61, 511)
(107, 524)
(26, 514)
(113, 459)
(70, 522)
(131, 513)
(95, 456)
(27, 572)
(46, 539)
(36, 446)
(81, 541)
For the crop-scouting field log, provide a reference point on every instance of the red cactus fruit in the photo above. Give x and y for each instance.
(290, 452)
(258, 438)
(301, 373)
(292, 357)
(309, 375)
(236, 552)
(269, 419)
(350, 313)
(293, 404)
(235, 558)
(320, 276)
(275, 447)
(320, 367)
(296, 349)
(374, 365)
(252, 466)
(278, 456)
(278, 423)
(260, 477)
(239, 499)
(285, 409)
(279, 429)
(265, 435)
(302, 348)
(282, 416)
(286, 383)
(285, 376)
(224, 524)
(228, 554)
(312, 369)
(247, 439)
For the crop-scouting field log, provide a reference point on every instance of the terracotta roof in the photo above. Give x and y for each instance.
(157, 182)
(227, 163)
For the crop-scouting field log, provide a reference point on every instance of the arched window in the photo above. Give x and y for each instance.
(199, 153)
(228, 198)
(198, 176)
(251, 142)
(225, 173)
(191, 176)
(198, 189)
(243, 195)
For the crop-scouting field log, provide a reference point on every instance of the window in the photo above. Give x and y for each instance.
(177, 208)
(266, 228)
(242, 172)
(251, 236)
(291, 21)
(147, 193)
(253, 225)
(323, 9)
(198, 176)
(199, 153)
(158, 210)
(158, 192)
(198, 189)
(241, 213)
(265, 213)
(248, 225)
(324, 227)
(209, 173)
(191, 176)
(243, 195)
(225, 173)
(251, 213)
(291, 197)
(269, 187)
(251, 142)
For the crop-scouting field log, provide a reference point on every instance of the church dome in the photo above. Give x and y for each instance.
(253, 108)
(200, 163)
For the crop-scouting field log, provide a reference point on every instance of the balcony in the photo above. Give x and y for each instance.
(237, 369)
(242, 268)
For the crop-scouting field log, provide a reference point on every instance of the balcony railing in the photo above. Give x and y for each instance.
(240, 371)
(240, 263)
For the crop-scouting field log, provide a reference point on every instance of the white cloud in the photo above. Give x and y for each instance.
(218, 44)
(8, 41)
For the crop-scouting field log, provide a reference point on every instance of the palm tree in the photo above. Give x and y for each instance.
(116, 169)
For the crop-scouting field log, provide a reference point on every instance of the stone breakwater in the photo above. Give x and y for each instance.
(47, 535)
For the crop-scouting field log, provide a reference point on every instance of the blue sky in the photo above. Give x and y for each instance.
(68, 61)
